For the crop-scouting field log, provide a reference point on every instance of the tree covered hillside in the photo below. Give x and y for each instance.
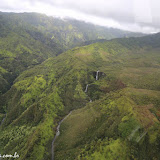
(68, 32)
(21, 46)
(121, 122)
(27, 39)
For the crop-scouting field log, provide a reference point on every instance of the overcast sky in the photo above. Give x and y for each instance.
(132, 15)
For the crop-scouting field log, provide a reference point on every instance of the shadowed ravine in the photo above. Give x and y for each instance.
(59, 124)
(58, 133)
(86, 90)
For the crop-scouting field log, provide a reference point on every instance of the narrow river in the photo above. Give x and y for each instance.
(58, 133)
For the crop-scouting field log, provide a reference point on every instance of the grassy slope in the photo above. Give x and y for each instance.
(124, 99)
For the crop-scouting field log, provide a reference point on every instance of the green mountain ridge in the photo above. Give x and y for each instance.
(27, 39)
(121, 123)
(69, 32)
(21, 46)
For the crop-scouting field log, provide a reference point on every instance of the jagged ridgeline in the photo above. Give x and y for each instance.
(122, 122)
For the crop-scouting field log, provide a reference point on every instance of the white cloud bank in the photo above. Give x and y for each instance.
(133, 15)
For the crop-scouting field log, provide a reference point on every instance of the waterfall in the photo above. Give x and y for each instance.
(86, 88)
(97, 75)
(133, 132)
(140, 137)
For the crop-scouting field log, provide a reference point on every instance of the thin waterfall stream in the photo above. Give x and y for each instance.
(97, 75)
(58, 133)
(86, 90)
(59, 124)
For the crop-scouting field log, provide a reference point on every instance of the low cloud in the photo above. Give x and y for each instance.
(133, 15)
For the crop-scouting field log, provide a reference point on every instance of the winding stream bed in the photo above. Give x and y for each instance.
(58, 133)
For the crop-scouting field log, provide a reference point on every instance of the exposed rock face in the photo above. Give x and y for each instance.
(97, 75)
